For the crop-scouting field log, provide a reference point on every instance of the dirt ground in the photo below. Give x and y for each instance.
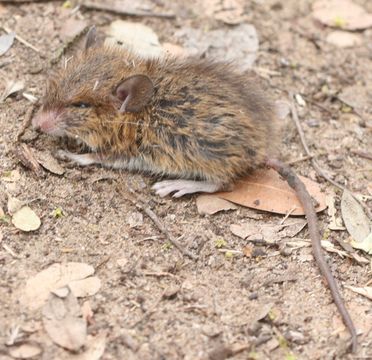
(155, 303)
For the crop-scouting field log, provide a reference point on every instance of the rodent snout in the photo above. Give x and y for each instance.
(46, 122)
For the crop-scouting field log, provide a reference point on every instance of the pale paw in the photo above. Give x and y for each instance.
(183, 187)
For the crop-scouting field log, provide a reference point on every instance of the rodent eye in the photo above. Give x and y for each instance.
(81, 105)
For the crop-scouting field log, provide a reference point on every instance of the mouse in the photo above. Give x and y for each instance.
(197, 122)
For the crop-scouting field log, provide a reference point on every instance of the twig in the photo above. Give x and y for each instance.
(313, 161)
(26, 122)
(21, 40)
(312, 222)
(141, 205)
(287, 215)
(11, 252)
(362, 154)
(121, 11)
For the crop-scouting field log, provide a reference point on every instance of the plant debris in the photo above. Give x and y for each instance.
(62, 320)
(266, 190)
(25, 219)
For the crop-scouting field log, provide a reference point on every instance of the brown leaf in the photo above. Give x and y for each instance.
(48, 162)
(52, 278)
(266, 190)
(27, 157)
(342, 13)
(63, 322)
(248, 250)
(25, 351)
(210, 204)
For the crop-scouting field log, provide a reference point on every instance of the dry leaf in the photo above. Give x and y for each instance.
(25, 351)
(71, 28)
(248, 250)
(95, 346)
(343, 14)
(52, 278)
(365, 291)
(85, 287)
(25, 219)
(12, 87)
(238, 44)
(335, 223)
(48, 162)
(27, 157)
(356, 221)
(343, 39)
(266, 190)
(6, 42)
(358, 97)
(136, 37)
(14, 205)
(63, 322)
(365, 245)
(209, 204)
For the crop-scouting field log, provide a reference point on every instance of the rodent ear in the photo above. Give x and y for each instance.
(134, 93)
(282, 109)
(90, 38)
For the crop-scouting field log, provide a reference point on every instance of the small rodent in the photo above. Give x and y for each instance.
(194, 120)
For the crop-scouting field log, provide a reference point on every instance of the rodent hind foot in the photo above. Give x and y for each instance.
(183, 187)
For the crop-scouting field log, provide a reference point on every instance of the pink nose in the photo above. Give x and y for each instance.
(46, 121)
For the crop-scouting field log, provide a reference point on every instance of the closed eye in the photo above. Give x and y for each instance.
(81, 105)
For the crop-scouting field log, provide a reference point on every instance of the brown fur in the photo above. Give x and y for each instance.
(204, 121)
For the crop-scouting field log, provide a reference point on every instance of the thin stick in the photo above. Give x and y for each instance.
(21, 40)
(118, 10)
(294, 182)
(362, 154)
(141, 205)
(26, 121)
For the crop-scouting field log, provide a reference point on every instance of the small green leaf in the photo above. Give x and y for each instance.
(167, 246)
(339, 21)
(57, 213)
(220, 243)
(229, 255)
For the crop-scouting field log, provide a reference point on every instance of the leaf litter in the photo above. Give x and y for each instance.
(25, 351)
(6, 42)
(342, 14)
(357, 223)
(57, 276)
(365, 291)
(25, 219)
(266, 190)
(63, 321)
